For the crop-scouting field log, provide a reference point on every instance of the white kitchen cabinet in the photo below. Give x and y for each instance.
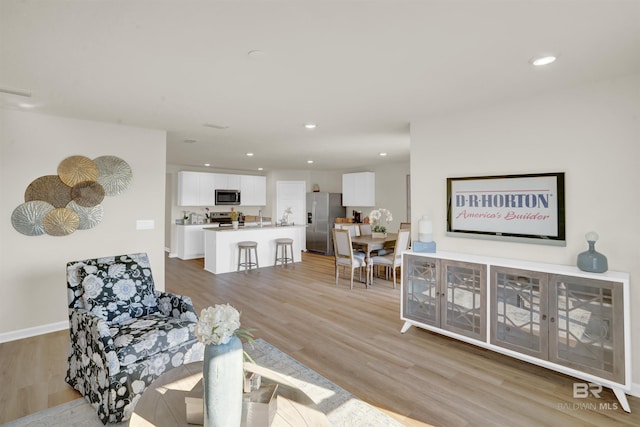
(253, 190)
(199, 188)
(191, 240)
(207, 190)
(196, 188)
(359, 189)
(225, 181)
(188, 188)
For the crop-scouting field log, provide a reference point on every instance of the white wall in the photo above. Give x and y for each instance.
(590, 133)
(32, 268)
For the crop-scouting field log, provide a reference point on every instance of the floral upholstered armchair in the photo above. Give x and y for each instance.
(124, 333)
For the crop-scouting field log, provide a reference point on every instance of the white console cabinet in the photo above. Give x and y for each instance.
(554, 316)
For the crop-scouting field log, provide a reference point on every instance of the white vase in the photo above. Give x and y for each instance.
(235, 224)
(378, 235)
(223, 384)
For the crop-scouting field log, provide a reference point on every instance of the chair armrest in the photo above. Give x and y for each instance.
(96, 333)
(177, 306)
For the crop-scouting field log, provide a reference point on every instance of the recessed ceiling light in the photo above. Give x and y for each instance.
(310, 125)
(540, 61)
(260, 169)
(190, 141)
(383, 154)
(207, 164)
(249, 154)
(309, 161)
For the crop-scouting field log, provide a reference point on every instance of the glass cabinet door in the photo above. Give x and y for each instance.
(463, 288)
(420, 289)
(587, 325)
(519, 314)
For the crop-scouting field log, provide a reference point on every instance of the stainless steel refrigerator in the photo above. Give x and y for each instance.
(322, 210)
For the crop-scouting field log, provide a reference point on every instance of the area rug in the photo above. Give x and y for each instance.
(341, 407)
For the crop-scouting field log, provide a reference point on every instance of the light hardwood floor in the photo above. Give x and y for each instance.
(351, 337)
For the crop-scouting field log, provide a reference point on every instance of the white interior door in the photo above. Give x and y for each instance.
(291, 194)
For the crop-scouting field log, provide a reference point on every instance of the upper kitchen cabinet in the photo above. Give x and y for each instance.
(196, 188)
(188, 191)
(253, 190)
(227, 181)
(359, 189)
(199, 188)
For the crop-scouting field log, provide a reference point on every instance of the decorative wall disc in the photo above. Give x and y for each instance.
(76, 169)
(50, 189)
(89, 216)
(61, 222)
(87, 193)
(28, 218)
(114, 174)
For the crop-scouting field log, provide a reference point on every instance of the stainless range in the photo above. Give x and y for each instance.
(224, 218)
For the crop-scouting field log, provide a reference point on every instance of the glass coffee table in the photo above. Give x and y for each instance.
(163, 402)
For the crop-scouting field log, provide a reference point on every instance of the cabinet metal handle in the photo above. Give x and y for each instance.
(544, 317)
(552, 319)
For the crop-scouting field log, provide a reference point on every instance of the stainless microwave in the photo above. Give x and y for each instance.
(227, 197)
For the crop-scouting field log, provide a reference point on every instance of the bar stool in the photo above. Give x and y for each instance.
(245, 247)
(285, 258)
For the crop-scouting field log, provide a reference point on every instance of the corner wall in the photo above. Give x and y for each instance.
(590, 133)
(32, 268)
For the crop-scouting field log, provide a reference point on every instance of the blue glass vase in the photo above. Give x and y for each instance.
(591, 260)
(223, 382)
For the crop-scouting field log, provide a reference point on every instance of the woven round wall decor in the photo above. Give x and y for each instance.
(60, 204)
(76, 169)
(87, 193)
(114, 174)
(28, 218)
(50, 189)
(61, 222)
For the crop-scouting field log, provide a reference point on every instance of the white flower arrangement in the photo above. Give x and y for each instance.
(379, 219)
(218, 324)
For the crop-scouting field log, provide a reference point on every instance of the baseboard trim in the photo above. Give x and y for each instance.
(32, 332)
(635, 390)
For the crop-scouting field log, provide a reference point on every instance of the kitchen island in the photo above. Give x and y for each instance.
(221, 245)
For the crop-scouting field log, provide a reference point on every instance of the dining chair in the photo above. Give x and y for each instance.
(354, 230)
(406, 226)
(344, 254)
(365, 229)
(392, 260)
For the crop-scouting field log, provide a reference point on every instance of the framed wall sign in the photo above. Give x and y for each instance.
(528, 208)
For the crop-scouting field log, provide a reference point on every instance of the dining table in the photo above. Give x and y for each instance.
(368, 243)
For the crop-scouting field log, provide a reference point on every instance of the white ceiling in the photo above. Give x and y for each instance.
(362, 70)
